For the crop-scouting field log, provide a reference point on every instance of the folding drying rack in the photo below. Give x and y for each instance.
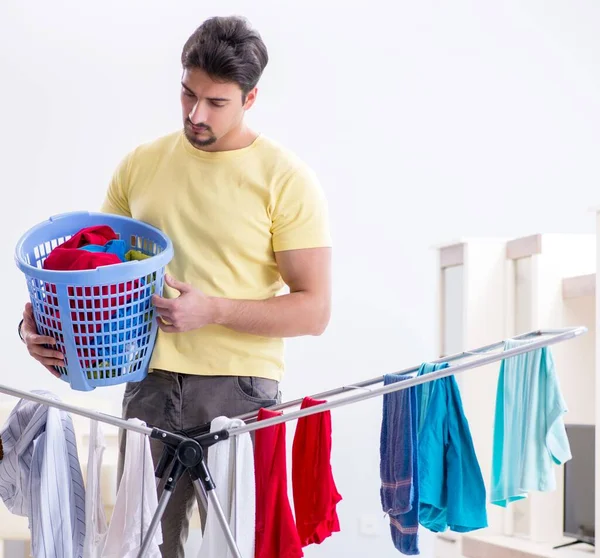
(185, 451)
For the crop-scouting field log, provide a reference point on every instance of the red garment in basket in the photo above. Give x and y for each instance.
(97, 234)
(276, 533)
(72, 259)
(68, 257)
(315, 492)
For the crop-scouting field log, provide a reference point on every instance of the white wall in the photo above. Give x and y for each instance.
(426, 121)
(568, 256)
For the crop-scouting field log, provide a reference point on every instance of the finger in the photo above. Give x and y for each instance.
(165, 314)
(28, 315)
(161, 302)
(29, 322)
(178, 285)
(39, 351)
(36, 339)
(167, 328)
(50, 362)
(52, 371)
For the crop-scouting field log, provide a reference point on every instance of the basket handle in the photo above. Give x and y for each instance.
(69, 214)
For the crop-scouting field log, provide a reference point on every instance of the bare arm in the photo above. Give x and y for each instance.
(304, 311)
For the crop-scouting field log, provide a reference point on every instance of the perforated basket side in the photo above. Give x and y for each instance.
(106, 333)
(103, 319)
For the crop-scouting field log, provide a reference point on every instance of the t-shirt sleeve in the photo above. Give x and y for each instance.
(299, 215)
(116, 199)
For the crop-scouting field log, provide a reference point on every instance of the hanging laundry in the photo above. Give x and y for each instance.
(451, 488)
(116, 247)
(399, 467)
(95, 532)
(40, 477)
(529, 430)
(231, 463)
(314, 490)
(136, 502)
(276, 533)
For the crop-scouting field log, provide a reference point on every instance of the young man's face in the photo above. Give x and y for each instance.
(211, 109)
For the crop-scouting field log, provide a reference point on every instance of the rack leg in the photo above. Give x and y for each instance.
(160, 510)
(215, 507)
(201, 494)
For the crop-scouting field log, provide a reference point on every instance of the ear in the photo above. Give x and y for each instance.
(250, 98)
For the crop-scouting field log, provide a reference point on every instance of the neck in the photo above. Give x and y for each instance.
(238, 138)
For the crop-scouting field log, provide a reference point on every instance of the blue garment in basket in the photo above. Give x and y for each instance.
(399, 470)
(529, 431)
(119, 344)
(117, 247)
(451, 488)
(120, 339)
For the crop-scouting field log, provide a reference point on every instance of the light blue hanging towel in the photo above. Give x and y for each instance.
(529, 430)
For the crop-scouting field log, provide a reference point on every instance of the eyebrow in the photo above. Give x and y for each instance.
(217, 99)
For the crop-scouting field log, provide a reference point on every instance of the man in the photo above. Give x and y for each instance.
(246, 218)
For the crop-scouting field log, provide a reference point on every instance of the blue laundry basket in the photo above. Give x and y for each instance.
(102, 319)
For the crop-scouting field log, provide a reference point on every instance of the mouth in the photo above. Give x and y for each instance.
(198, 129)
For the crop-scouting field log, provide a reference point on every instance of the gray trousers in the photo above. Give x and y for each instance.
(173, 401)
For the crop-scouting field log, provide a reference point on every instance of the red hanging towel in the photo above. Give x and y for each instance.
(315, 492)
(276, 533)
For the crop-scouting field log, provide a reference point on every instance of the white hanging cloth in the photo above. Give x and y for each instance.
(40, 477)
(231, 463)
(136, 502)
(96, 526)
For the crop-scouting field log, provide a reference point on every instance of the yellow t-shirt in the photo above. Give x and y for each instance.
(227, 213)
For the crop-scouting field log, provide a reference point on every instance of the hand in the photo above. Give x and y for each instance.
(192, 309)
(35, 343)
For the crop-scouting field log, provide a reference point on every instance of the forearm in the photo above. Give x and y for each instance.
(289, 315)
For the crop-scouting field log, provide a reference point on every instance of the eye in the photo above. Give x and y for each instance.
(188, 94)
(217, 104)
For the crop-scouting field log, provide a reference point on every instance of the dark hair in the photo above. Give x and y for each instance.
(229, 49)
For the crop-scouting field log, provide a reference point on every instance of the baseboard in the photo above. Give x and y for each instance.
(498, 546)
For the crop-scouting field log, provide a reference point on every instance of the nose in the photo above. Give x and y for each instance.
(198, 113)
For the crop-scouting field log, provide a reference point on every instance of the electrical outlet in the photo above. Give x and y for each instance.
(368, 525)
